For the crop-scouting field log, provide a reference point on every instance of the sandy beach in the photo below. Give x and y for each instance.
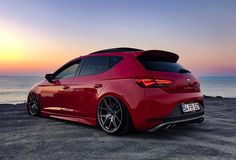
(25, 137)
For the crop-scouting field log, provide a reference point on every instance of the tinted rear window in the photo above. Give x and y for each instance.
(164, 66)
(114, 60)
(95, 65)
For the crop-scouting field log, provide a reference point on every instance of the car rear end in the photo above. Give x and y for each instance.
(171, 93)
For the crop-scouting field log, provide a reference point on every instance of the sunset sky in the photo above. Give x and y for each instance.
(38, 36)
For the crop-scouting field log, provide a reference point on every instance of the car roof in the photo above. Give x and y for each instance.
(142, 54)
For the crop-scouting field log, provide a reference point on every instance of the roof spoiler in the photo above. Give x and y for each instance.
(158, 55)
(121, 49)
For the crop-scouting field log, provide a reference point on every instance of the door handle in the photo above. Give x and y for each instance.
(97, 85)
(66, 87)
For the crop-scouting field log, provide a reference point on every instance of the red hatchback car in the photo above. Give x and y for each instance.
(120, 89)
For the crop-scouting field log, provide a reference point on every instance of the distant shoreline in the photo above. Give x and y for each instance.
(217, 97)
(205, 96)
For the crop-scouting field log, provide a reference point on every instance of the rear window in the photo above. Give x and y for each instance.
(114, 60)
(164, 66)
(95, 65)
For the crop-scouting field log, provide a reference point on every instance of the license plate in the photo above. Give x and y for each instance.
(190, 107)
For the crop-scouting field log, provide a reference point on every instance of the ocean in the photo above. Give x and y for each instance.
(218, 86)
(14, 89)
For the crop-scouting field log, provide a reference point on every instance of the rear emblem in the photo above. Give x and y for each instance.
(188, 81)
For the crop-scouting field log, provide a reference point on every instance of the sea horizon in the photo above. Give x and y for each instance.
(38, 75)
(14, 88)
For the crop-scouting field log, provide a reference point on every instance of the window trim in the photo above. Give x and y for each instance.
(81, 63)
(80, 67)
(67, 65)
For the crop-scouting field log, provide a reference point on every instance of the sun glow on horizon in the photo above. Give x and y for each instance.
(29, 52)
(12, 48)
(40, 36)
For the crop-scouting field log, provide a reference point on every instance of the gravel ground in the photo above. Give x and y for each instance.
(25, 137)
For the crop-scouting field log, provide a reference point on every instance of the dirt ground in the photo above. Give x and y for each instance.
(25, 137)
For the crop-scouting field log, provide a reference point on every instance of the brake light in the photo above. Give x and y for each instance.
(154, 83)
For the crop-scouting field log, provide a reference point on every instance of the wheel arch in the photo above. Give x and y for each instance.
(38, 102)
(120, 98)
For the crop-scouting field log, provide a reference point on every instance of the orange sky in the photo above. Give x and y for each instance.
(29, 52)
(35, 53)
(37, 38)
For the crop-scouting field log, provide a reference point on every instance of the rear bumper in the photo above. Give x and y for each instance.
(169, 122)
(158, 108)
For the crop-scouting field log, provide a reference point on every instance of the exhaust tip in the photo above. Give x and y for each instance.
(169, 126)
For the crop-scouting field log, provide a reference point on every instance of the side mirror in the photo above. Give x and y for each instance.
(49, 77)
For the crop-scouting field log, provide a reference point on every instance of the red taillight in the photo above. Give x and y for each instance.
(154, 83)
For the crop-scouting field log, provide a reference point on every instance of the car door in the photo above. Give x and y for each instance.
(55, 94)
(92, 78)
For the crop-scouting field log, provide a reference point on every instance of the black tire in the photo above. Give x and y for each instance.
(33, 105)
(113, 117)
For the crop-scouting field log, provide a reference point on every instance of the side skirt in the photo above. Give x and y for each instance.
(84, 120)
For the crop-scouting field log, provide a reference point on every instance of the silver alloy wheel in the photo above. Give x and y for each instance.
(33, 104)
(110, 114)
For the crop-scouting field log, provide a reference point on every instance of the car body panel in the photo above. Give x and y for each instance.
(77, 98)
(85, 92)
(53, 96)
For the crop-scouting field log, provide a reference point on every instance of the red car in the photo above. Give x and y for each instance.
(120, 89)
